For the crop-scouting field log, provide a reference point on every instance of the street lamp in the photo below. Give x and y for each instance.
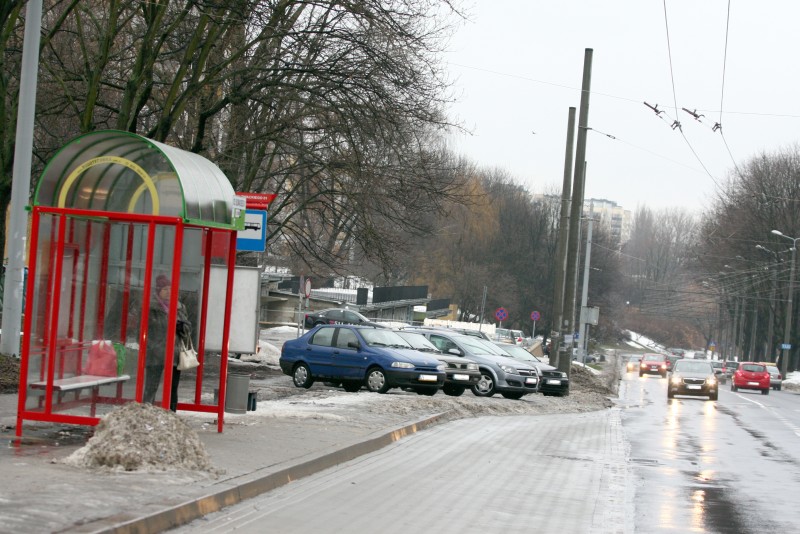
(771, 328)
(787, 332)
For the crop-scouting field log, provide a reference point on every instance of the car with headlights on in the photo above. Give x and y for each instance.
(653, 364)
(633, 363)
(693, 377)
(751, 375)
(356, 356)
(552, 381)
(460, 373)
(499, 373)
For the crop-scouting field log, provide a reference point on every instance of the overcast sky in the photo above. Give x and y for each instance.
(517, 68)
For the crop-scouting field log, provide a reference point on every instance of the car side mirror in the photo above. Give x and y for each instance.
(353, 345)
(455, 351)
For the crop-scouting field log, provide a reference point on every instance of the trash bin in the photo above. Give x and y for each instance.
(236, 393)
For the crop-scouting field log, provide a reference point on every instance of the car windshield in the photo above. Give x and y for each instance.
(380, 337)
(515, 351)
(687, 366)
(653, 358)
(418, 341)
(753, 368)
(773, 370)
(480, 346)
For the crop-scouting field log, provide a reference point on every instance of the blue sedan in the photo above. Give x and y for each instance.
(360, 355)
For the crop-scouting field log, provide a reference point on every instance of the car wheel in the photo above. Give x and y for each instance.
(641, 374)
(733, 387)
(485, 386)
(351, 387)
(779, 386)
(302, 376)
(765, 391)
(714, 397)
(670, 394)
(376, 380)
(663, 375)
(453, 390)
(513, 395)
(430, 392)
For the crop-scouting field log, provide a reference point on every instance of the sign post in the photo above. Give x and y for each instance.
(534, 317)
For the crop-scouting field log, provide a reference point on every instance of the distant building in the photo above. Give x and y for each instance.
(610, 214)
(615, 218)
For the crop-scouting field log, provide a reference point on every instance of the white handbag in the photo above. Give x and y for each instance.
(188, 357)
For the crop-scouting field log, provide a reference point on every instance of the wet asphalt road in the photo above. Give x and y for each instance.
(730, 466)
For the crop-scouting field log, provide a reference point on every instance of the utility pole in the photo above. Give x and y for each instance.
(585, 293)
(21, 182)
(576, 209)
(561, 246)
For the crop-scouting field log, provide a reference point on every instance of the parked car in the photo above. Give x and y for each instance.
(461, 373)
(504, 335)
(499, 373)
(360, 355)
(553, 381)
(464, 331)
(750, 375)
(693, 377)
(337, 316)
(519, 337)
(775, 378)
(653, 364)
(633, 363)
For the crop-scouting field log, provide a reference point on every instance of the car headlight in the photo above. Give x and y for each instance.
(472, 367)
(441, 367)
(403, 365)
(676, 379)
(509, 369)
(711, 380)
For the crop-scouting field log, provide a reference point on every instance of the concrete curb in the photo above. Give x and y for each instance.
(186, 512)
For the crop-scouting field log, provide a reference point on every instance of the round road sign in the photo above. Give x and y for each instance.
(501, 314)
(535, 316)
(307, 288)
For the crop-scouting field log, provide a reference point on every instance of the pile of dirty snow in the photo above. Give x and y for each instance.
(142, 437)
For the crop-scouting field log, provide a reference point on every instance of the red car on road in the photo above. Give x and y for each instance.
(653, 364)
(751, 375)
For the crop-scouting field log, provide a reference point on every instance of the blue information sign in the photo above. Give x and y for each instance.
(254, 236)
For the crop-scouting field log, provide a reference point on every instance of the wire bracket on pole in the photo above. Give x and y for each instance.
(654, 108)
(694, 114)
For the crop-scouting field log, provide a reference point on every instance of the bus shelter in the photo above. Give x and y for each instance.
(116, 219)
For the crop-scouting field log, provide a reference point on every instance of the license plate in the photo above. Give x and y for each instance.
(752, 383)
(461, 377)
(654, 368)
(692, 387)
(531, 380)
(554, 382)
(427, 378)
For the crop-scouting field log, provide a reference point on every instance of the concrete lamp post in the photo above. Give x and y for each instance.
(787, 331)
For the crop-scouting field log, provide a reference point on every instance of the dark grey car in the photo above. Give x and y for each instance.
(553, 382)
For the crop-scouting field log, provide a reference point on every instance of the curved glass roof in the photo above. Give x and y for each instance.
(122, 172)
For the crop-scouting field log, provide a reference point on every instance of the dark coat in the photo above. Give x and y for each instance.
(157, 333)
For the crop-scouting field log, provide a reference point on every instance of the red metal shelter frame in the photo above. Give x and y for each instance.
(50, 370)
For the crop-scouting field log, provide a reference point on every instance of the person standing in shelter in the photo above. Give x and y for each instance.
(158, 326)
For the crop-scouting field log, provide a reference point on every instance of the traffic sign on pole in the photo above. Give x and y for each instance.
(501, 314)
(535, 316)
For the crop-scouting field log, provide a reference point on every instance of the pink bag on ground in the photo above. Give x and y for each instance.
(102, 359)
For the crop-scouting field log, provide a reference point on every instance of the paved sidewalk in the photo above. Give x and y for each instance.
(257, 455)
(38, 494)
